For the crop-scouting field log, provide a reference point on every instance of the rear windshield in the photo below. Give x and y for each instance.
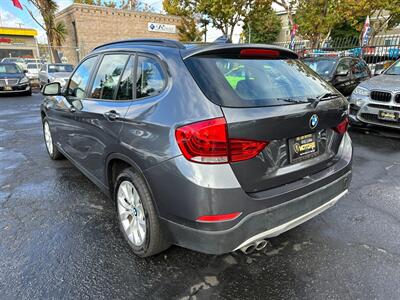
(235, 82)
(323, 67)
(60, 68)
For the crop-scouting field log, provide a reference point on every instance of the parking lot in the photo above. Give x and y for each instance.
(59, 237)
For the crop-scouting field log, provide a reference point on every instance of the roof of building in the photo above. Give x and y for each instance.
(18, 31)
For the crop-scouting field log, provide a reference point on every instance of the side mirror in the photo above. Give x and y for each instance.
(379, 72)
(52, 89)
(25, 71)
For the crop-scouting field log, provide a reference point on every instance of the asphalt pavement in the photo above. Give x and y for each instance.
(59, 236)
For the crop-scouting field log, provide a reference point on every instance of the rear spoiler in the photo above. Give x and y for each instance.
(255, 51)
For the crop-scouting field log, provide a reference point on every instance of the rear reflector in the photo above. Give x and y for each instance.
(342, 127)
(259, 53)
(208, 142)
(219, 218)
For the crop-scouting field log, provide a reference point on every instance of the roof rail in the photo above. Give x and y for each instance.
(158, 42)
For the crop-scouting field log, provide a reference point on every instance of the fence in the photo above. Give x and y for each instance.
(380, 49)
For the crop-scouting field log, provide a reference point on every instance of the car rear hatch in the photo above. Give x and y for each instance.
(266, 94)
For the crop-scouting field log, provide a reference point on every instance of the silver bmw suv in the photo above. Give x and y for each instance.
(377, 100)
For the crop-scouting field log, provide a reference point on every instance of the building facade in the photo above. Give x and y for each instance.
(18, 42)
(89, 26)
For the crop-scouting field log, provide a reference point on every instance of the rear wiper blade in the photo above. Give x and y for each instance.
(291, 100)
(314, 101)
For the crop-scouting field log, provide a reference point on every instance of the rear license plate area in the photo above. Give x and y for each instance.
(303, 147)
(8, 88)
(388, 116)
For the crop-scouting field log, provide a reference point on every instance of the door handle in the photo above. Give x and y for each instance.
(112, 115)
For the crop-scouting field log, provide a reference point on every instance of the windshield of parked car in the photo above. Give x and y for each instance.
(9, 69)
(323, 67)
(236, 82)
(32, 66)
(394, 69)
(60, 68)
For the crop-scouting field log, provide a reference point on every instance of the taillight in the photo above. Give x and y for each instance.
(342, 127)
(208, 142)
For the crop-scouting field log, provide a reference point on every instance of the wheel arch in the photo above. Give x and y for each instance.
(115, 163)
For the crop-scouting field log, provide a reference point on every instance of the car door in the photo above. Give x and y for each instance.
(66, 105)
(360, 71)
(343, 80)
(100, 115)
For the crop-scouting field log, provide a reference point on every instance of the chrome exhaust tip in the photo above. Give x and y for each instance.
(248, 249)
(261, 244)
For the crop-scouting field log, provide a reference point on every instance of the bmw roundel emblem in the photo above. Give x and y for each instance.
(313, 121)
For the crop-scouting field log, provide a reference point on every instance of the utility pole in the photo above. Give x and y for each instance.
(249, 27)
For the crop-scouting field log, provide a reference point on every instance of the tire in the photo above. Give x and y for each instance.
(51, 147)
(153, 239)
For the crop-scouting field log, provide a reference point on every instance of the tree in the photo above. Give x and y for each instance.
(224, 14)
(386, 14)
(261, 25)
(187, 30)
(316, 18)
(55, 31)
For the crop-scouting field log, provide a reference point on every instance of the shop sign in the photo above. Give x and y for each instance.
(157, 27)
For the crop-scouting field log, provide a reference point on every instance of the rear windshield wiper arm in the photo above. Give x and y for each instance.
(291, 100)
(314, 101)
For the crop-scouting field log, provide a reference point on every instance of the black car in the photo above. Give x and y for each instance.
(344, 73)
(13, 80)
(211, 147)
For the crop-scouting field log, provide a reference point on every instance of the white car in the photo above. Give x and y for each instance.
(55, 73)
(33, 71)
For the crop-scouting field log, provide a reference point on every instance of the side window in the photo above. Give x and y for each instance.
(106, 81)
(125, 89)
(343, 67)
(359, 68)
(79, 81)
(150, 79)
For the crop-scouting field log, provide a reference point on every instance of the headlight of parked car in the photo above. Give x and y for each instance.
(23, 80)
(361, 91)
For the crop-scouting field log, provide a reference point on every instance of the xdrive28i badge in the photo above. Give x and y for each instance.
(313, 121)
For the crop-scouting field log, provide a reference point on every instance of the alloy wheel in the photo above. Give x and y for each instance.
(131, 213)
(47, 137)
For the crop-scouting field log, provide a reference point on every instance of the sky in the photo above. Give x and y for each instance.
(11, 16)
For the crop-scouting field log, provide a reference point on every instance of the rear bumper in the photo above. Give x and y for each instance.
(183, 191)
(263, 224)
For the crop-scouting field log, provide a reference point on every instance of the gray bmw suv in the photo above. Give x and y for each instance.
(210, 147)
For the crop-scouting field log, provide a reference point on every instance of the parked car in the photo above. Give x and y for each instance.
(33, 71)
(378, 68)
(344, 73)
(17, 60)
(194, 158)
(377, 100)
(55, 73)
(13, 80)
